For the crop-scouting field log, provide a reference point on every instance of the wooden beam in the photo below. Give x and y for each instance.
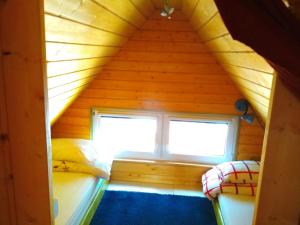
(25, 91)
(278, 197)
(274, 26)
(6, 194)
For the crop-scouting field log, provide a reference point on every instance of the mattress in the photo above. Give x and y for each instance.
(236, 209)
(73, 193)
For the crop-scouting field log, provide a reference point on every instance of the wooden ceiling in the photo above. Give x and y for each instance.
(83, 35)
(251, 73)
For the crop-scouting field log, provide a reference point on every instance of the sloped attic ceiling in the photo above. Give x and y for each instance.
(251, 73)
(83, 35)
(163, 67)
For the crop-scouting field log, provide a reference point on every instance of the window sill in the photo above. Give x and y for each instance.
(162, 162)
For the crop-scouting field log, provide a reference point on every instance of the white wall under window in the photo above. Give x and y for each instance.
(180, 137)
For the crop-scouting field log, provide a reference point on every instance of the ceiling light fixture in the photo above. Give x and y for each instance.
(167, 10)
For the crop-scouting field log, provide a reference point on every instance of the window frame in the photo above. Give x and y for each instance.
(232, 136)
(132, 114)
(162, 135)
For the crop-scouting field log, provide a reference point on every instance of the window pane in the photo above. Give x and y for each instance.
(197, 138)
(117, 134)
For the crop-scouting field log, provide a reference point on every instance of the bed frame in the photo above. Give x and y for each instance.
(218, 213)
(101, 187)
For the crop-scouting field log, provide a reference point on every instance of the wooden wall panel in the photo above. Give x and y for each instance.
(251, 73)
(175, 174)
(145, 7)
(161, 72)
(81, 36)
(91, 13)
(127, 10)
(201, 13)
(58, 29)
(280, 160)
(25, 131)
(177, 4)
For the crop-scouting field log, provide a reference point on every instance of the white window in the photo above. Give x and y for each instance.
(127, 133)
(200, 138)
(178, 137)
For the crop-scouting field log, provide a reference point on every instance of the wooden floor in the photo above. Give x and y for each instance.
(156, 188)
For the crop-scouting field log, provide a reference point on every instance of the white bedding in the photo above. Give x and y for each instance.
(73, 192)
(237, 209)
(79, 156)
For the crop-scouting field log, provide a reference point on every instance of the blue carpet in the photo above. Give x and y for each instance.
(134, 208)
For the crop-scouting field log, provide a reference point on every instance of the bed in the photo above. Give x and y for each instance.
(234, 209)
(232, 187)
(77, 196)
(80, 177)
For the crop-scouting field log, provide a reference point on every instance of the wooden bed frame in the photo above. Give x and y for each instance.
(101, 187)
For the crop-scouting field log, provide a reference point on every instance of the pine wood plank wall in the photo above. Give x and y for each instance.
(158, 172)
(280, 160)
(164, 66)
(252, 74)
(158, 4)
(25, 128)
(81, 36)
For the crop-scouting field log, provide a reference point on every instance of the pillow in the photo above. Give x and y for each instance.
(239, 172)
(212, 186)
(241, 189)
(73, 150)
